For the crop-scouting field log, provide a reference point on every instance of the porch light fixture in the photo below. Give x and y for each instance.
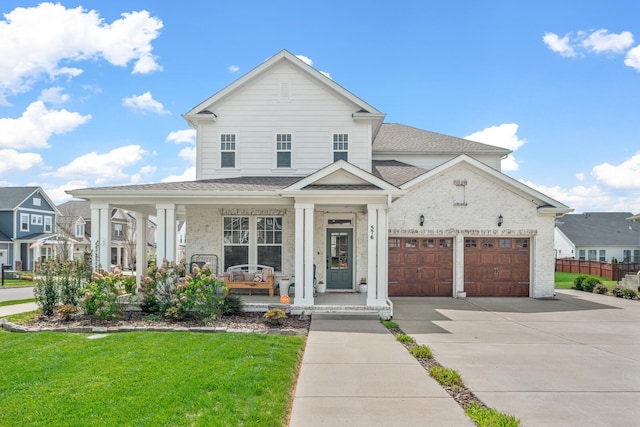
(421, 220)
(500, 220)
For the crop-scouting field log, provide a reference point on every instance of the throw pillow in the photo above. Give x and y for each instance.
(248, 277)
(266, 272)
(238, 276)
(257, 277)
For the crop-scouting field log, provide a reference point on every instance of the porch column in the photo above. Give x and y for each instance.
(141, 246)
(304, 254)
(377, 248)
(17, 255)
(458, 264)
(101, 235)
(166, 232)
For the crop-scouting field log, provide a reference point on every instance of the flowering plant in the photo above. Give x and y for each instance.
(100, 297)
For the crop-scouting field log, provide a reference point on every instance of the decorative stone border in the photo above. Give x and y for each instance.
(12, 327)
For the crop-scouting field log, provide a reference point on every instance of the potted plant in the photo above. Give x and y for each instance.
(321, 287)
(363, 285)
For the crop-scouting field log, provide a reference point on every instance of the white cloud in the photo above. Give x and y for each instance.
(309, 62)
(624, 175)
(188, 154)
(601, 41)
(36, 125)
(560, 45)
(38, 40)
(143, 103)
(54, 95)
(188, 175)
(182, 136)
(59, 195)
(11, 160)
(580, 176)
(580, 198)
(505, 136)
(102, 168)
(145, 172)
(633, 58)
(234, 68)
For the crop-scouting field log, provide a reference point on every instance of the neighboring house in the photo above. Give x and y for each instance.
(74, 231)
(598, 236)
(295, 172)
(27, 225)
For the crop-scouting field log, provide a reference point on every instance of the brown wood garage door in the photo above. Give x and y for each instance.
(420, 266)
(496, 267)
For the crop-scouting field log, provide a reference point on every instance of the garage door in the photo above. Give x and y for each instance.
(420, 266)
(496, 267)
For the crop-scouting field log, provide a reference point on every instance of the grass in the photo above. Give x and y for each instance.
(147, 378)
(446, 377)
(565, 280)
(16, 282)
(17, 301)
(490, 417)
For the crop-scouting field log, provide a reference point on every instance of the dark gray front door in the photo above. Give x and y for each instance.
(339, 258)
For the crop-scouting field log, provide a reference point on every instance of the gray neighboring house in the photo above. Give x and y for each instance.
(27, 226)
(598, 236)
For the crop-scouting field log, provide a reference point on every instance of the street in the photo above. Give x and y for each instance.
(13, 293)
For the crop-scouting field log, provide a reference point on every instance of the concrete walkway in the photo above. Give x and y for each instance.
(354, 373)
(570, 361)
(8, 310)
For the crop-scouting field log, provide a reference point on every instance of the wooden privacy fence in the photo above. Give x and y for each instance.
(597, 268)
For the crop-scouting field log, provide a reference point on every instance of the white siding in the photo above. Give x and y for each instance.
(255, 114)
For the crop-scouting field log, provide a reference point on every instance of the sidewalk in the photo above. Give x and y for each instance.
(354, 373)
(8, 310)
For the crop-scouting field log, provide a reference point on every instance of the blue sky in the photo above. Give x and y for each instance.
(92, 92)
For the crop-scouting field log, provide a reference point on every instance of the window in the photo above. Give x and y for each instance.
(582, 254)
(428, 243)
(79, 229)
(340, 146)
(592, 254)
(228, 150)
(48, 224)
(522, 243)
(636, 255)
(36, 219)
(626, 255)
(603, 255)
(446, 243)
(269, 236)
(117, 230)
(486, 243)
(236, 240)
(283, 150)
(394, 242)
(470, 243)
(24, 222)
(411, 243)
(37, 201)
(504, 243)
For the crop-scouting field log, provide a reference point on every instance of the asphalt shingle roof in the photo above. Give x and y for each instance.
(601, 229)
(10, 197)
(395, 172)
(394, 137)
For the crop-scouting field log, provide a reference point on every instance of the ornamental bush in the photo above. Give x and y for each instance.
(600, 289)
(577, 282)
(589, 283)
(100, 297)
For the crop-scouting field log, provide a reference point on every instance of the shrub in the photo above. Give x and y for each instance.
(100, 298)
(421, 352)
(405, 339)
(67, 311)
(231, 305)
(589, 283)
(274, 316)
(629, 293)
(46, 289)
(577, 282)
(600, 289)
(618, 290)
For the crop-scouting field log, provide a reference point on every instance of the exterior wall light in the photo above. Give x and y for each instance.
(500, 220)
(421, 220)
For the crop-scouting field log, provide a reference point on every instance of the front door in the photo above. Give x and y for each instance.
(339, 258)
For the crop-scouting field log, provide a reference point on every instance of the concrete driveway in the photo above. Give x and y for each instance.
(573, 360)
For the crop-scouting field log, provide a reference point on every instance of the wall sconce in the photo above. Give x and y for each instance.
(500, 220)
(421, 220)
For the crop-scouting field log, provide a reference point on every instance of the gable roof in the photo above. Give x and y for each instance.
(364, 110)
(12, 197)
(544, 202)
(394, 137)
(395, 172)
(75, 209)
(601, 229)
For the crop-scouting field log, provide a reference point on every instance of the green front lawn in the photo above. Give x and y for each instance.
(565, 280)
(17, 301)
(18, 282)
(147, 378)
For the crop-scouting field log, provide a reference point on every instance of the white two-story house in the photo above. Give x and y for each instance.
(296, 172)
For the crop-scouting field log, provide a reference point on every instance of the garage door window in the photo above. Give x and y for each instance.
(470, 243)
(487, 243)
(394, 242)
(428, 243)
(522, 243)
(446, 243)
(411, 243)
(505, 243)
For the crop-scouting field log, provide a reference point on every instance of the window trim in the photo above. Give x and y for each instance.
(281, 150)
(24, 221)
(80, 227)
(346, 142)
(48, 224)
(252, 244)
(36, 219)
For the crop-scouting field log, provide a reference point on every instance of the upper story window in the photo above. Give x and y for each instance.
(37, 201)
(79, 229)
(36, 219)
(228, 150)
(340, 146)
(283, 150)
(48, 224)
(24, 222)
(118, 230)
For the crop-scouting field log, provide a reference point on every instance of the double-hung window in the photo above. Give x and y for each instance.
(340, 146)
(24, 222)
(253, 240)
(228, 150)
(48, 224)
(283, 150)
(79, 229)
(36, 219)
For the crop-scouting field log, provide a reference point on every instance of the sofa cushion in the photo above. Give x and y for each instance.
(237, 276)
(257, 277)
(248, 277)
(266, 272)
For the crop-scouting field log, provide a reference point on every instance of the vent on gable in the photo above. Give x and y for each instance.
(284, 91)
